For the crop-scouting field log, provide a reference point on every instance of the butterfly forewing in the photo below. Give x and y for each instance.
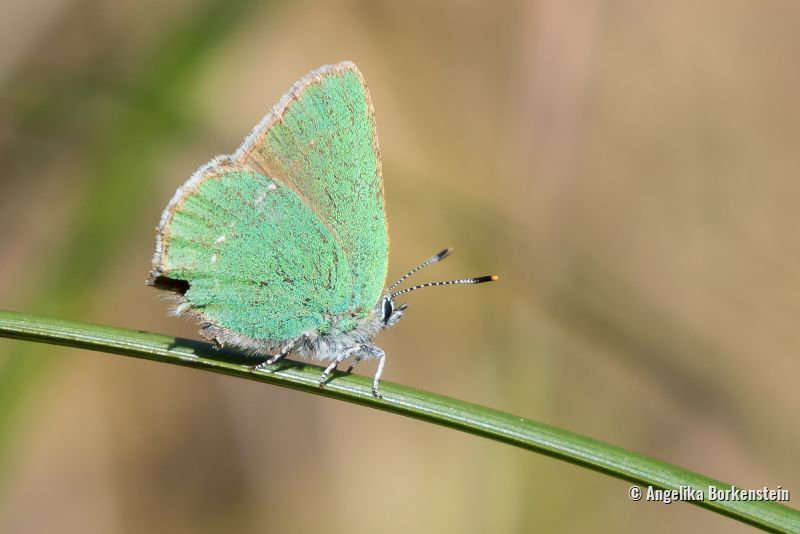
(324, 145)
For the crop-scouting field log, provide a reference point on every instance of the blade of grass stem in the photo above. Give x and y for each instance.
(467, 417)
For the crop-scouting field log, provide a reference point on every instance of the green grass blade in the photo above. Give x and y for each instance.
(430, 407)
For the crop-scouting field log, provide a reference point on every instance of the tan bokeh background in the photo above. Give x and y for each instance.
(629, 169)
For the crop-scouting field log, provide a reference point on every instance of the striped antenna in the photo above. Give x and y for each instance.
(478, 280)
(435, 259)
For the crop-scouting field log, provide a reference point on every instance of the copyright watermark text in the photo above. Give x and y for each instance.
(710, 493)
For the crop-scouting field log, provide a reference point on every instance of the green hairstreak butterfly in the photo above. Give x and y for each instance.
(282, 246)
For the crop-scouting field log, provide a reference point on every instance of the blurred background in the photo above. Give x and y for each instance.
(629, 169)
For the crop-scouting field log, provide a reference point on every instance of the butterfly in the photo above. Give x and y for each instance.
(282, 247)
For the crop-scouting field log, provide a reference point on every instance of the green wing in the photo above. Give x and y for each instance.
(321, 141)
(288, 235)
(258, 261)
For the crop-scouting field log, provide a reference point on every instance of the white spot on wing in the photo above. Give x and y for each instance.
(213, 258)
(220, 239)
(260, 198)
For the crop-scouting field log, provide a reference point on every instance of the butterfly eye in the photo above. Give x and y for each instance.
(388, 309)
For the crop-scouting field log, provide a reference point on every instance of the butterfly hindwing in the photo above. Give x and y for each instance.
(258, 261)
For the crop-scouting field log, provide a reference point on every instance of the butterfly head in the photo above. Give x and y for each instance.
(391, 314)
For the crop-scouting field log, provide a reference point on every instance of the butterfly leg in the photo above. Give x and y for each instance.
(358, 358)
(276, 358)
(339, 358)
(281, 355)
(381, 355)
(211, 333)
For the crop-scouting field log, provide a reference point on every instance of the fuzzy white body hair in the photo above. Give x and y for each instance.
(312, 344)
